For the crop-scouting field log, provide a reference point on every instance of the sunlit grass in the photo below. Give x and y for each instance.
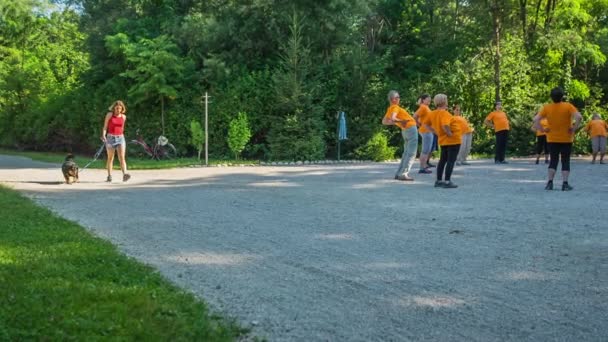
(60, 283)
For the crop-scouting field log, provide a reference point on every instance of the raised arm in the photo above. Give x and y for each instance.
(387, 121)
(537, 124)
(533, 127)
(488, 123)
(105, 127)
(577, 122)
(417, 118)
(447, 130)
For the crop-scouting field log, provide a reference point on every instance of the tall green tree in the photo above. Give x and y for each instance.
(298, 130)
(239, 133)
(156, 70)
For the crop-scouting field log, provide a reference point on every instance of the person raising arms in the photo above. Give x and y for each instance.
(427, 136)
(499, 122)
(448, 133)
(395, 115)
(541, 141)
(596, 128)
(467, 136)
(560, 134)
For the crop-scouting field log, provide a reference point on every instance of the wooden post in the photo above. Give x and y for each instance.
(206, 129)
(338, 133)
(205, 123)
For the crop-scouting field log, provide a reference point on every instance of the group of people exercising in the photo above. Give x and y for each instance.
(555, 125)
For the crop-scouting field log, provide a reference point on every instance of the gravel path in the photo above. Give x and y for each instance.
(345, 253)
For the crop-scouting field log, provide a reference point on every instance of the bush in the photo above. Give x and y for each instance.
(376, 149)
(239, 133)
(297, 137)
(197, 138)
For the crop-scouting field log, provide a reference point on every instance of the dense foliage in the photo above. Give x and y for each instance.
(290, 65)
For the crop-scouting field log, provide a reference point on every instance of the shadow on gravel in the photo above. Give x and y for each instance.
(34, 182)
(15, 162)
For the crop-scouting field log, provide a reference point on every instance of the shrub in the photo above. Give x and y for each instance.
(239, 134)
(197, 138)
(376, 149)
(297, 137)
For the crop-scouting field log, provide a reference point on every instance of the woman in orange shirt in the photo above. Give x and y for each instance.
(467, 136)
(541, 141)
(427, 137)
(596, 128)
(441, 123)
(395, 115)
(560, 134)
(499, 122)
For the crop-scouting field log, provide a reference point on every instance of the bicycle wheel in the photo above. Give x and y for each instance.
(165, 152)
(138, 150)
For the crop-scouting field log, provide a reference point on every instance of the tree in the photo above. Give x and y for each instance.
(298, 130)
(197, 137)
(156, 69)
(239, 134)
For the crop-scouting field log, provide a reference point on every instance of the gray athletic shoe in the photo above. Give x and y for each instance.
(449, 185)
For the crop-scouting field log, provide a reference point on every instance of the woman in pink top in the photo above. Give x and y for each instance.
(113, 136)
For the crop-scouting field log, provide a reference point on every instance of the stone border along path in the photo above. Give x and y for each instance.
(345, 253)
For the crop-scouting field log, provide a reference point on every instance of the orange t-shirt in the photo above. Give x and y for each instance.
(596, 128)
(423, 112)
(402, 114)
(559, 117)
(499, 119)
(440, 118)
(544, 124)
(464, 124)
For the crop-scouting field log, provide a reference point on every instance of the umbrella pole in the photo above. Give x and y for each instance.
(338, 149)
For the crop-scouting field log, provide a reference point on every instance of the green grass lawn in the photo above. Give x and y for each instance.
(133, 163)
(58, 283)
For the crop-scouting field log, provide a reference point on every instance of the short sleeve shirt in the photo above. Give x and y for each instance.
(402, 114)
(499, 119)
(559, 118)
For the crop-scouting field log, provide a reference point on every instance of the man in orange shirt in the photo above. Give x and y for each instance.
(447, 129)
(596, 128)
(395, 115)
(560, 134)
(499, 122)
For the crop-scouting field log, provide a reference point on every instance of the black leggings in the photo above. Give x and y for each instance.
(557, 149)
(501, 145)
(449, 153)
(541, 144)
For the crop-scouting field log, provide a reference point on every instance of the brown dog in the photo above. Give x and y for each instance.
(70, 169)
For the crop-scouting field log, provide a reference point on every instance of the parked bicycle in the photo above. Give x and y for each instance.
(162, 149)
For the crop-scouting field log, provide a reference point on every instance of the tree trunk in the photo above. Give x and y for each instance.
(523, 16)
(162, 113)
(457, 3)
(497, 57)
(532, 30)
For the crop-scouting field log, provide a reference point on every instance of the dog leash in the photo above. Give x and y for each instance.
(95, 157)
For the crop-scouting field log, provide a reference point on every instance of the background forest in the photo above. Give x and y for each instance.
(289, 66)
